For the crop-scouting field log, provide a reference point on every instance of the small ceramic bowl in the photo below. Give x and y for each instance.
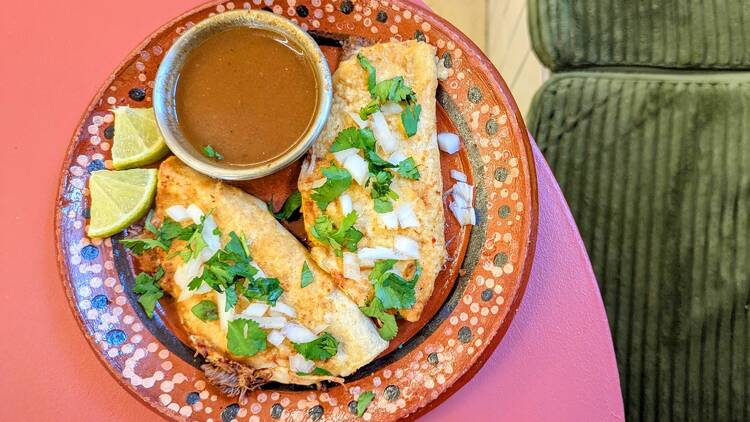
(169, 71)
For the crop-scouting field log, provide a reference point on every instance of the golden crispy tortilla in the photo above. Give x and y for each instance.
(415, 61)
(279, 255)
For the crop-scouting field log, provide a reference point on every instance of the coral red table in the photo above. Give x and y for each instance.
(555, 363)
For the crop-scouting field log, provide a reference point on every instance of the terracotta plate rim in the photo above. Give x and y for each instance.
(493, 77)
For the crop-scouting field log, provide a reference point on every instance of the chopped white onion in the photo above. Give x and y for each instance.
(187, 293)
(260, 273)
(358, 120)
(457, 210)
(206, 254)
(342, 155)
(383, 133)
(377, 253)
(184, 274)
(391, 108)
(297, 333)
(457, 175)
(285, 309)
(224, 316)
(464, 191)
(406, 216)
(396, 158)
(298, 363)
(448, 142)
(459, 201)
(213, 241)
(318, 183)
(194, 213)
(464, 215)
(389, 220)
(351, 266)
(270, 322)
(366, 263)
(345, 202)
(406, 246)
(275, 337)
(357, 167)
(255, 309)
(177, 213)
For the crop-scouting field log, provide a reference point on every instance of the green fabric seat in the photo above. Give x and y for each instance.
(657, 174)
(662, 33)
(648, 135)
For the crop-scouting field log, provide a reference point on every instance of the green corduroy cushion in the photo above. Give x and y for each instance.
(656, 169)
(663, 33)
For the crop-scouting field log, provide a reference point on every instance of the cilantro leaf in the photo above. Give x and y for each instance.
(318, 371)
(364, 140)
(367, 66)
(148, 224)
(380, 179)
(164, 236)
(322, 348)
(307, 275)
(197, 243)
(380, 268)
(148, 289)
(382, 205)
(245, 337)
(381, 192)
(290, 207)
(410, 118)
(171, 230)
(205, 310)
(353, 137)
(230, 271)
(395, 90)
(346, 139)
(231, 298)
(402, 92)
(345, 237)
(210, 152)
(388, 327)
(138, 246)
(372, 107)
(237, 246)
(337, 181)
(363, 401)
(408, 169)
(264, 289)
(185, 254)
(375, 163)
(393, 291)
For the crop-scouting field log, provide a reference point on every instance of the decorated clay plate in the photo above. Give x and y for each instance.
(476, 294)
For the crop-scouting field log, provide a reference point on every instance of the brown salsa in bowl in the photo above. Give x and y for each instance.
(242, 94)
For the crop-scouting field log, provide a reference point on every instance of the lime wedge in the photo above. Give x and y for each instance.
(119, 198)
(138, 140)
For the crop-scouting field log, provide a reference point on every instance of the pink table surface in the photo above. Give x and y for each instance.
(555, 363)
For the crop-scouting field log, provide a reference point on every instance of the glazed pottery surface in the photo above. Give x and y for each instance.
(476, 295)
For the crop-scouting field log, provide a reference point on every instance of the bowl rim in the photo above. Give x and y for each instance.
(168, 74)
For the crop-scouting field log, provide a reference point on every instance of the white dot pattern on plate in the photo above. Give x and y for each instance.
(112, 323)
